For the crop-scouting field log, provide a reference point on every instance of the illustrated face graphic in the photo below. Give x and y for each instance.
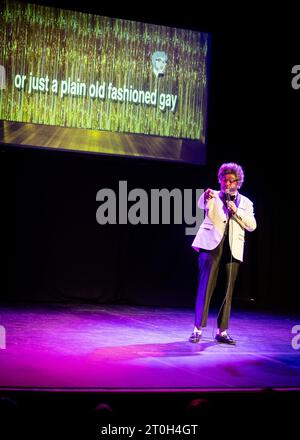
(159, 62)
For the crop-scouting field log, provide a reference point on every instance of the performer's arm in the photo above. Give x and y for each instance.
(205, 197)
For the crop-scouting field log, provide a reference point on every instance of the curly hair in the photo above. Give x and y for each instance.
(232, 168)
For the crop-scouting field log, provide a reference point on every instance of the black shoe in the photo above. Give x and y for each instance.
(195, 337)
(225, 339)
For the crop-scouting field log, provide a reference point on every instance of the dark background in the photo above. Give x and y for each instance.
(54, 250)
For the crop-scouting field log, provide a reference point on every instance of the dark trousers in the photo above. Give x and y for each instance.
(209, 264)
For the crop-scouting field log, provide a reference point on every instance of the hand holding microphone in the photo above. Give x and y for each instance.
(231, 206)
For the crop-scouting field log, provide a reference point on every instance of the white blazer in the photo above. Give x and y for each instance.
(212, 228)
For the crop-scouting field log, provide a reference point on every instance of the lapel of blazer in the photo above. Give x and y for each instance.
(221, 205)
(242, 203)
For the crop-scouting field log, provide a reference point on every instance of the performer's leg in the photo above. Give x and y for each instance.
(231, 276)
(208, 274)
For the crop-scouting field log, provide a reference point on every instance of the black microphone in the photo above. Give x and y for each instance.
(227, 199)
(227, 195)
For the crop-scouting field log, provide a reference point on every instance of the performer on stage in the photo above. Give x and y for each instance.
(220, 240)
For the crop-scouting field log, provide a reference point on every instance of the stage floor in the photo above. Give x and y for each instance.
(101, 347)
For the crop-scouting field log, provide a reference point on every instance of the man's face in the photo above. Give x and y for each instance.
(228, 181)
